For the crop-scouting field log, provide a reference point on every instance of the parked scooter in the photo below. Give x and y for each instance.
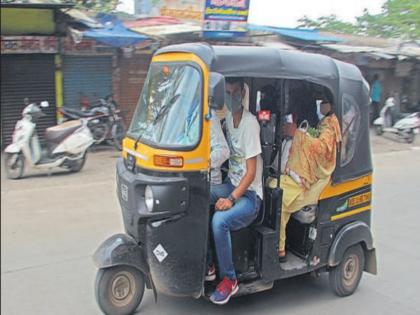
(391, 120)
(107, 123)
(66, 144)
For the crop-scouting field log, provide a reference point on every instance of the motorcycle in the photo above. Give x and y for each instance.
(66, 144)
(404, 125)
(105, 121)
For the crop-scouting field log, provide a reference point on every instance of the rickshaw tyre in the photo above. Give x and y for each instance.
(344, 282)
(106, 280)
(379, 130)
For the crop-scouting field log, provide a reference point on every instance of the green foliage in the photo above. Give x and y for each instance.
(313, 132)
(98, 6)
(398, 18)
(330, 23)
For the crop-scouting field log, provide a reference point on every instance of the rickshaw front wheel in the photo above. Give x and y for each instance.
(345, 277)
(119, 290)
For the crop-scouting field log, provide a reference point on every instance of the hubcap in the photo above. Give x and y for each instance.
(122, 288)
(351, 269)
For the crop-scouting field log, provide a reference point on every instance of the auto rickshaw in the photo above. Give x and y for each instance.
(163, 178)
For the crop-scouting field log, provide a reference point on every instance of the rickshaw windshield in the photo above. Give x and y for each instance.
(168, 113)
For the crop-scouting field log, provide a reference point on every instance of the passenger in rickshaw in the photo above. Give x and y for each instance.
(314, 160)
(238, 200)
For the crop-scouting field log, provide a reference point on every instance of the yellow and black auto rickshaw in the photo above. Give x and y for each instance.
(163, 178)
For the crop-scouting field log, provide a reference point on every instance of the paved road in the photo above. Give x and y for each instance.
(50, 226)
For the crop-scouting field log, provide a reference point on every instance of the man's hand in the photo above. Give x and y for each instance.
(223, 204)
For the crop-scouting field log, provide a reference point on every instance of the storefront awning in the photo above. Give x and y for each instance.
(162, 26)
(114, 33)
(311, 35)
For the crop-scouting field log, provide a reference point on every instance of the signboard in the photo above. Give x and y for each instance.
(225, 18)
(29, 45)
(186, 10)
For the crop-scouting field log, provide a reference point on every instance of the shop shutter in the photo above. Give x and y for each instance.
(31, 76)
(90, 76)
(133, 72)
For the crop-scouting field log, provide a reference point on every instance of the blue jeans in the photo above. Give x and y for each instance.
(243, 213)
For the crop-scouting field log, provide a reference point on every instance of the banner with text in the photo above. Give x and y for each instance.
(225, 18)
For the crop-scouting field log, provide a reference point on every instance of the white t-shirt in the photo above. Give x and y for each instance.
(244, 143)
(219, 149)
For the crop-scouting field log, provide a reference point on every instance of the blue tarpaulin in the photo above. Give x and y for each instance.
(114, 33)
(296, 33)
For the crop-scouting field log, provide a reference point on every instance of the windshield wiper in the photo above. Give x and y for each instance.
(162, 112)
(165, 109)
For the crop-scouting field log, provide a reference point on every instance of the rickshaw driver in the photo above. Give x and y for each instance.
(238, 200)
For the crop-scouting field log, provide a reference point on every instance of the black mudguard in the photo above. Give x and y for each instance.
(120, 249)
(351, 234)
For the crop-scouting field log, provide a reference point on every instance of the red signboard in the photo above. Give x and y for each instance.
(29, 44)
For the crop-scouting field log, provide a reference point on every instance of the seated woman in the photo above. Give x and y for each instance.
(314, 160)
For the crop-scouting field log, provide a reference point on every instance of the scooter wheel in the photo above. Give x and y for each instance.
(379, 130)
(119, 290)
(410, 136)
(77, 165)
(14, 165)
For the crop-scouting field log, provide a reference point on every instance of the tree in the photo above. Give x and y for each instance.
(103, 6)
(329, 23)
(398, 18)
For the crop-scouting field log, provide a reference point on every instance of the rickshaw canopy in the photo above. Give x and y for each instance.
(344, 81)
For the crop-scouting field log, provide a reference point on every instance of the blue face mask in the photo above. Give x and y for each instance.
(233, 102)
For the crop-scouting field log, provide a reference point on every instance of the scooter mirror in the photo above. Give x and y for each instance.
(44, 104)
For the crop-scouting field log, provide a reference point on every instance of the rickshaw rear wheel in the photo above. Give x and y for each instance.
(345, 277)
(379, 130)
(119, 290)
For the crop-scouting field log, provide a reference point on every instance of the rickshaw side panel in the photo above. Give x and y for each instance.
(344, 220)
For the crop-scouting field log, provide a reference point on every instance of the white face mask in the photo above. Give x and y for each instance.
(318, 110)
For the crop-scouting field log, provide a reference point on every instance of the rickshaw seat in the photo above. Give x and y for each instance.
(306, 215)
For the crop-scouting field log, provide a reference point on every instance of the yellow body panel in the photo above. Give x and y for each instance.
(197, 159)
(336, 190)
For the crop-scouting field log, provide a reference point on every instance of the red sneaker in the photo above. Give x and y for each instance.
(224, 291)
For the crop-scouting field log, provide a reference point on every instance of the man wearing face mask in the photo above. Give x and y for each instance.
(237, 201)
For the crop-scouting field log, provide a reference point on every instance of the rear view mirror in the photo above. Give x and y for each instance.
(44, 104)
(216, 91)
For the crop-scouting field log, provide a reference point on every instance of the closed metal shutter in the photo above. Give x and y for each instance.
(133, 72)
(90, 76)
(31, 76)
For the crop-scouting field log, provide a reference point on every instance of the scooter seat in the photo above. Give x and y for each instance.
(58, 133)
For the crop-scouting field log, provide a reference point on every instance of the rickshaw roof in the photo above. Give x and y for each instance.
(344, 80)
(270, 62)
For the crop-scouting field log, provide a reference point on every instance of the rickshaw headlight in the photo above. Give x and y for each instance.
(148, 197)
